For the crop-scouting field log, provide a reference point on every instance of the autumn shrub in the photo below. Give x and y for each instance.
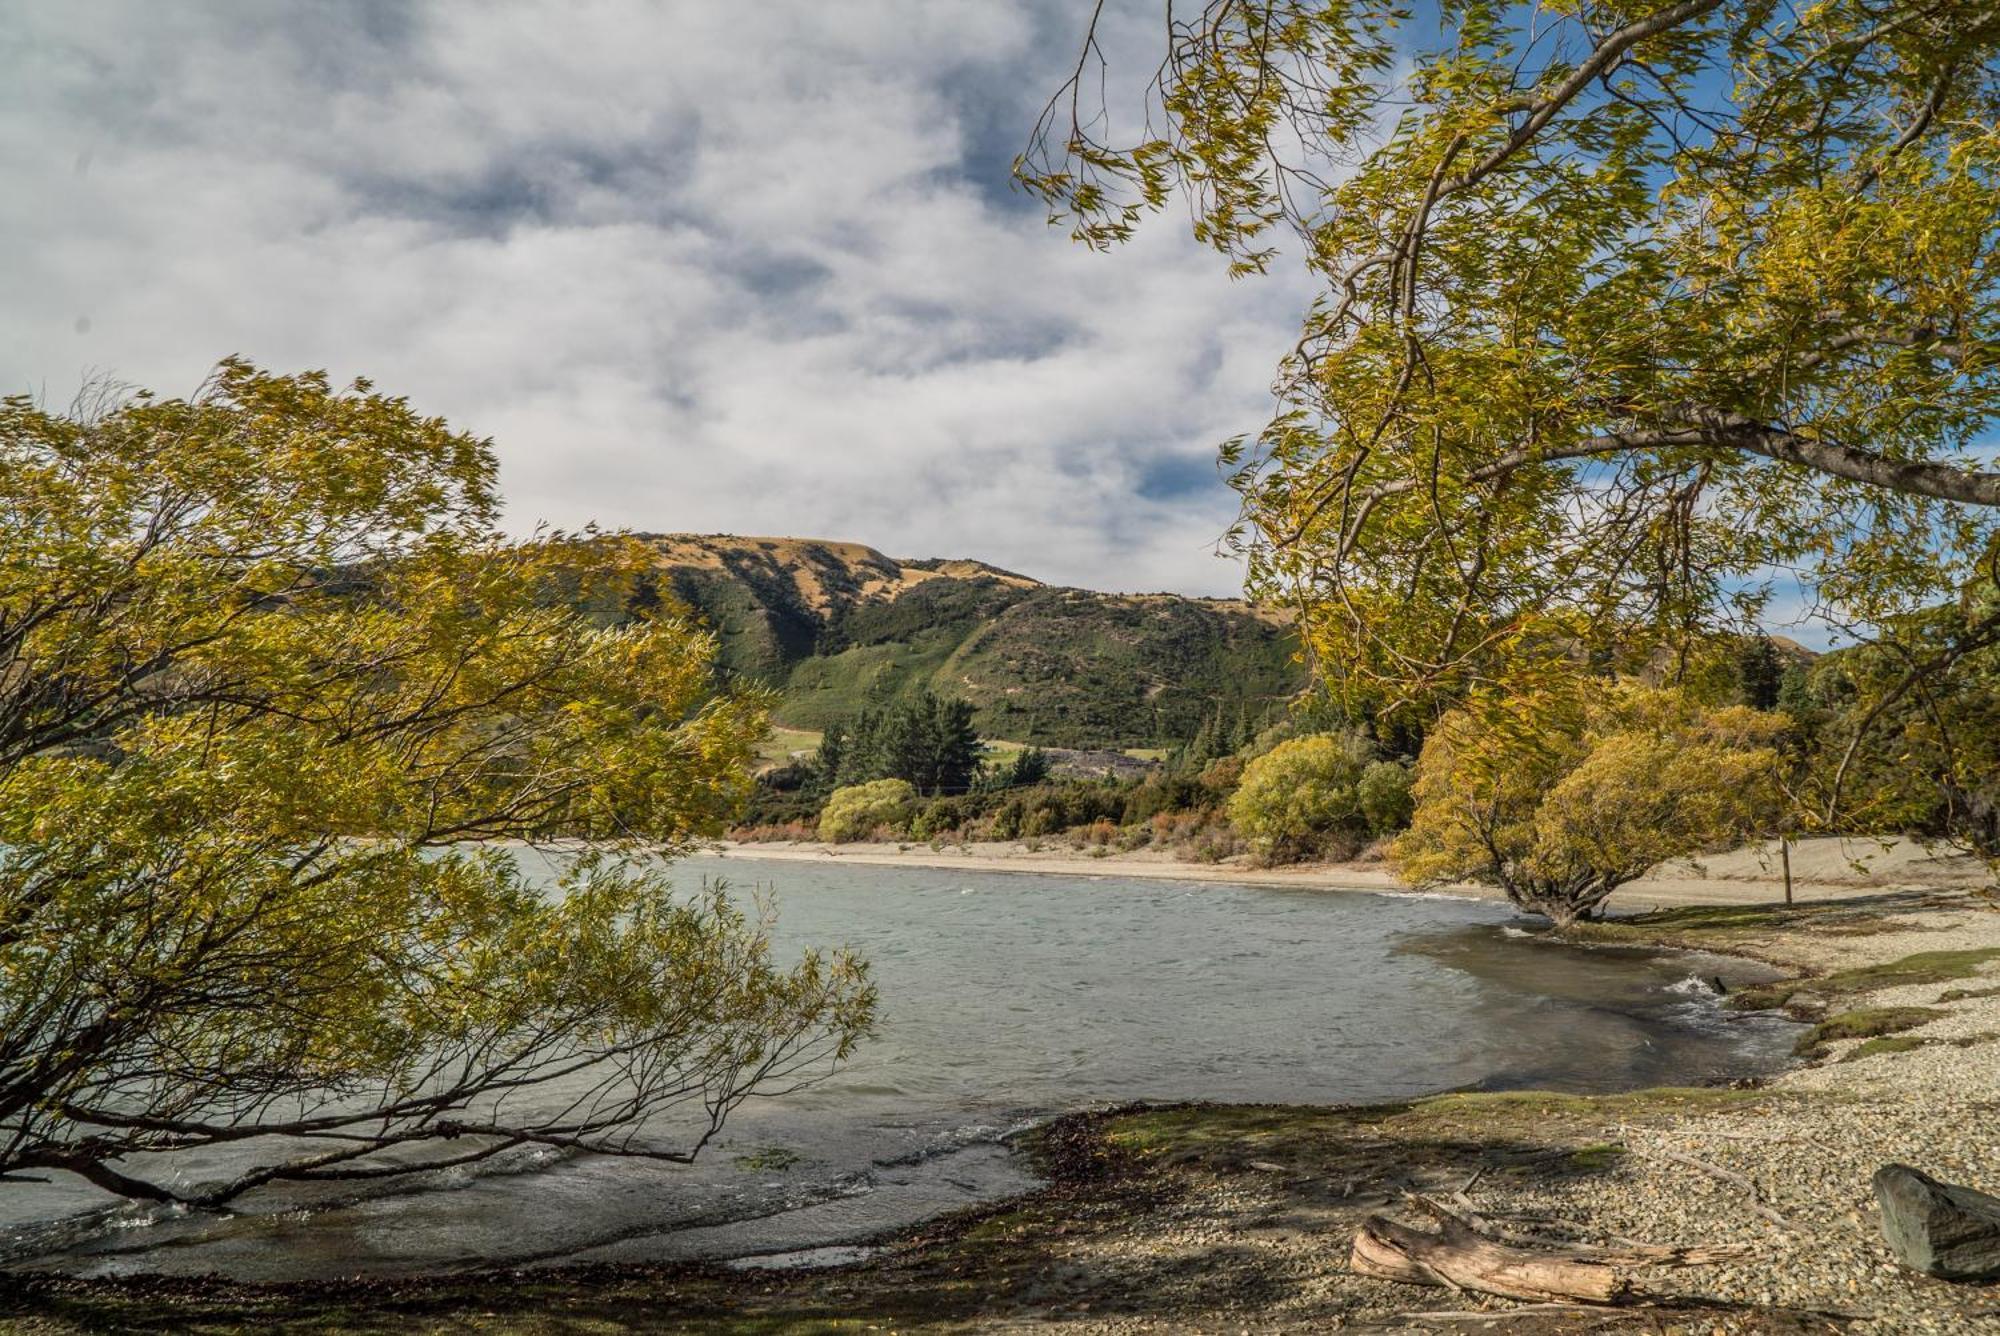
(1220, 777)
(859, 810)
(1298, 795)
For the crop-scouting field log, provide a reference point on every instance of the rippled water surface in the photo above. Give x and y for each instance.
(1005, 997)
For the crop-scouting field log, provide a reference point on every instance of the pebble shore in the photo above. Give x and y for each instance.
(1787, 1176)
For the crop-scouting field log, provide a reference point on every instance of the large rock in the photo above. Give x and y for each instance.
(1940, 1229)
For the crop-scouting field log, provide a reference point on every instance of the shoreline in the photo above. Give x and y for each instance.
(1236, 1217)
(1825, 869)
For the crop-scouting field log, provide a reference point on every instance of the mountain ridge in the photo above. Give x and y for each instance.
(836, 627)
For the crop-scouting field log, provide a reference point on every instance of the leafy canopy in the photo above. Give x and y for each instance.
(264, 667)
(1561, 800)
(1625, 306)
(1301, 791)
(1902, 734)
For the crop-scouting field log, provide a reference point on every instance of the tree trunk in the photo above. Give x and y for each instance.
(1554, 903)
(1462, 1259)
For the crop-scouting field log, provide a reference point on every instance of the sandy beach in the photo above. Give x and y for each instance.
(1822, 869)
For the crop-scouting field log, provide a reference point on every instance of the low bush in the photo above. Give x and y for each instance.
(770, 805)
(1384, 797)
(1161, 792)
(1213, 844)
(790, 830)
(859, 810)
(1302, 797)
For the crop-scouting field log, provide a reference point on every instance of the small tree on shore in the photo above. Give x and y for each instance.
(1561, 799)
(856, 810)
(1031, 766)
(265, 669)
(1302, 793)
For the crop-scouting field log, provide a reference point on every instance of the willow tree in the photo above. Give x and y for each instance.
(1624, 307)
(266, 673)
(1903, 733)
(1561, 797)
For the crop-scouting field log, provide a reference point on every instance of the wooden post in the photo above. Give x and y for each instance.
(1785, 853)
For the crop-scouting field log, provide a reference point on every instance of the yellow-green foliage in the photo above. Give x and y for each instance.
(1561, 798)
(1384, 796)
(1292, 796)
(1592, 348)
(851, 813)
(263, 660)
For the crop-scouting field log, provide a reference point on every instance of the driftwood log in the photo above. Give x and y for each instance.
(1471, 1253)
(1462, 1259)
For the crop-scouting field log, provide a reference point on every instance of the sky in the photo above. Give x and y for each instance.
(698, 266)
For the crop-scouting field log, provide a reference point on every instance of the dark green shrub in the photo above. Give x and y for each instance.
(1384, 795)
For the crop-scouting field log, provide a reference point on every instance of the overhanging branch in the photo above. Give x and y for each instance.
(1705, 428)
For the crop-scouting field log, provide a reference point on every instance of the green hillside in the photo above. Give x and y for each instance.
(835, 627)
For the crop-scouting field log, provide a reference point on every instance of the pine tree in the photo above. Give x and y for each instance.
(830, 760)
(927, 740)
(1760, 670)
(1031, 766)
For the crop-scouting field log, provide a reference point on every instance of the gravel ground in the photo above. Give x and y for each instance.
(1788, 1176)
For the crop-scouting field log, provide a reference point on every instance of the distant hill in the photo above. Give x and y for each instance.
(836, 626)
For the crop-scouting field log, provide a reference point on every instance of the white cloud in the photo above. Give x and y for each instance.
(744, 268)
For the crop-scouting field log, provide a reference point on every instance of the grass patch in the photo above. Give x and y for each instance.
(1596, 1158)
(1541, 1105)
(1711, 917)
(768, 1160)
(1888, 1043)
(1961, 994)
(1863, 1023)
(1817, 994)
(1731, 928)
(1923, 967)
(780, 744)
(1228, 1132)
(1766, 996)
(1748, 929)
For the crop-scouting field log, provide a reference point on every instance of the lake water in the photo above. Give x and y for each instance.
(1005, 998)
